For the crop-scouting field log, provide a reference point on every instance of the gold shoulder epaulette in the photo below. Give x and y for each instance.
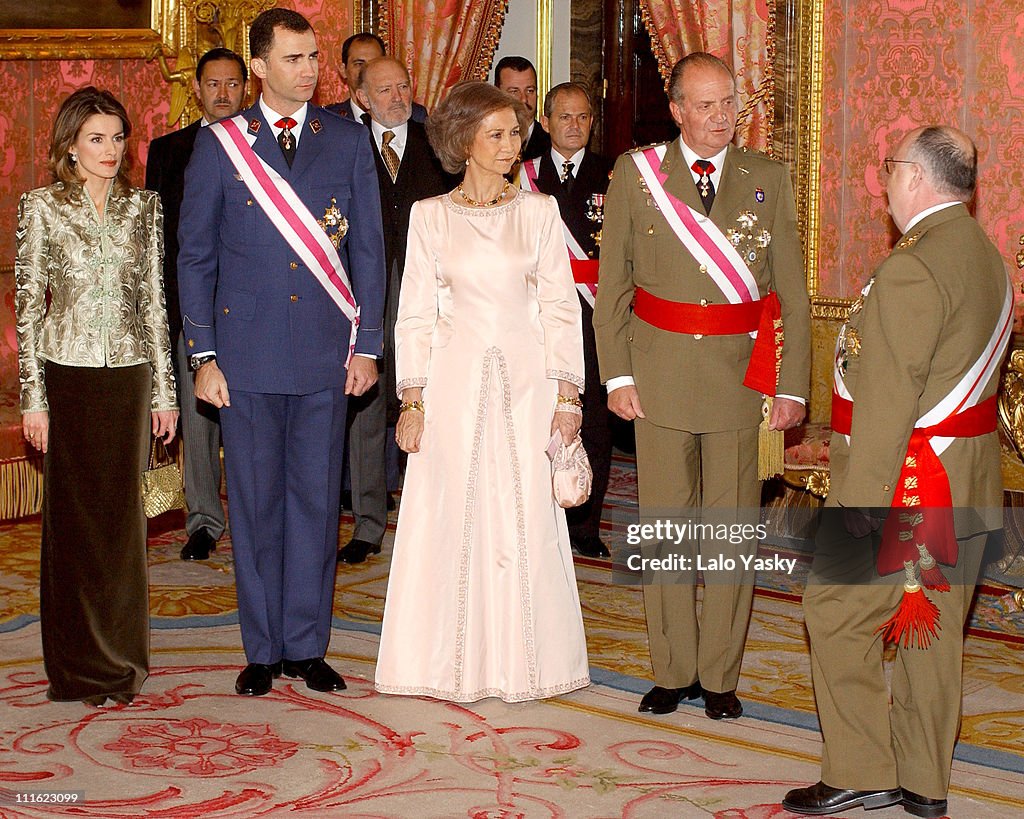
(908, 241)
(642, 148)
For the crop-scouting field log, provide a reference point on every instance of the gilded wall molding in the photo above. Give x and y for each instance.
(830, 308)
(810, 14)
(545, 36)
(95, 43)
(200, 26)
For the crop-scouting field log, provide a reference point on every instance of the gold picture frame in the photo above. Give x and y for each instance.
(94, 43)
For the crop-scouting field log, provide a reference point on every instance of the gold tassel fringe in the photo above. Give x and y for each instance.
(771, 445)
(21, 487)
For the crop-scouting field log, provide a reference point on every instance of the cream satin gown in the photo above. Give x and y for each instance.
(482, 597)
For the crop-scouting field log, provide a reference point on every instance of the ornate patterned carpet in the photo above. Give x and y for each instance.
(189, 747)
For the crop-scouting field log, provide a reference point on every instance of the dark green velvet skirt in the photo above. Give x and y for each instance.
(94, 589)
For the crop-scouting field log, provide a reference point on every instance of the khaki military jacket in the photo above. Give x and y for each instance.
(931, 308)
(687, 382)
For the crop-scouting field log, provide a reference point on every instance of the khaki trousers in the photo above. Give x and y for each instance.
(870, 744)
(679, 473)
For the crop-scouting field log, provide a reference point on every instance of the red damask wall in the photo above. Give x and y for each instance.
(31, 92)
(890, 67)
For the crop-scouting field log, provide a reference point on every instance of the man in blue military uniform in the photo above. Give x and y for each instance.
(281, 237)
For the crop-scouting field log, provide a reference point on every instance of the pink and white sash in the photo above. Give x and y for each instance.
(528, 182)
(700, 236)
(289, 214)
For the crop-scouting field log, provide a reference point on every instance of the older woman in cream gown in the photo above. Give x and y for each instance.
(482, 598)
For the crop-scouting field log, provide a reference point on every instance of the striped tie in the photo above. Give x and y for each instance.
(388, 154)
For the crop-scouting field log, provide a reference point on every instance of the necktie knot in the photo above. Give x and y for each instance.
(704, 167)
(286, 122)
(386, 137)
(567, 167)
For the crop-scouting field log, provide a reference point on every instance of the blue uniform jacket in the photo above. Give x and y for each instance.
(245, 294)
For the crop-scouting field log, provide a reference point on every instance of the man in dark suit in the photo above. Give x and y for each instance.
(578, 179)
(219, 85)
(407, 171)
(356, 52)
(518, 77)
(283, 227)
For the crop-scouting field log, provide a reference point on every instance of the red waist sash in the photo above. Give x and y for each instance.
(763, 315)
(923, 485)
(584, 271)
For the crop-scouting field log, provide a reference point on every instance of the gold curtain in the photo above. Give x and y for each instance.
(442, 41)
(741, 33)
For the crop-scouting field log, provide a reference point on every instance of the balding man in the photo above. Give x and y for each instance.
(917, 369)
(407, 171)
(697, 235)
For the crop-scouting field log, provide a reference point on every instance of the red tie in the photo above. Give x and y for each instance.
(285, 138)
(705, 187)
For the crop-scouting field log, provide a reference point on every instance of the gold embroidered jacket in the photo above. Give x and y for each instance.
(105, 283)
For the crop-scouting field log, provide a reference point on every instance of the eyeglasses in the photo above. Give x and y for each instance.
(888, 163)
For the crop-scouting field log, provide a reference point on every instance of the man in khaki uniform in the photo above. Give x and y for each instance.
(921, 351)
(696, 422)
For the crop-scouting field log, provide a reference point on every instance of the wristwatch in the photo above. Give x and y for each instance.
(197, 361)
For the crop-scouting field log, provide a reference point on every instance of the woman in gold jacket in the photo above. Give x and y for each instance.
(96, 381)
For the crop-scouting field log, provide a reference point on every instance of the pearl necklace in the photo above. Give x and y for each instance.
(494, 201)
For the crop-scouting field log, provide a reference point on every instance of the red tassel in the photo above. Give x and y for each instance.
(933, 578)
(915, 621)
(931, 575)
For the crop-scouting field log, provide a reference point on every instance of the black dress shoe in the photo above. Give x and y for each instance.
(665, 700)
(257, 679)
(722, 706)
(391, 502)
(917, 805)
(318, 675)
(589, 546)
(200, 544)
(355, 551)
(820, 799)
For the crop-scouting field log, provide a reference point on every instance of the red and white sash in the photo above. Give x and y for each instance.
(700, 236)
(289, 214)
(584, 269)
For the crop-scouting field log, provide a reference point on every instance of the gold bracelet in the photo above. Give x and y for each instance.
(568, 399)
(412, 405)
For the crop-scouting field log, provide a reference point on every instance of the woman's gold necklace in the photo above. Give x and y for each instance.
(494, 201)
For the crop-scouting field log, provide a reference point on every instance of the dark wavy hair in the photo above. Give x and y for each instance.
(73, 113)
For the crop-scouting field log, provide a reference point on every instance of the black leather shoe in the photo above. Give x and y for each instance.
(820, 799)
(589, 546)
(318, 675)
(391, 502)
(665, 700)
(917, 805)
(200, 544)
(257, 679)
(722, 706)
(355, 551)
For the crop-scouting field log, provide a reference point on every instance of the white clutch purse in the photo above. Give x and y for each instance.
(571, 475)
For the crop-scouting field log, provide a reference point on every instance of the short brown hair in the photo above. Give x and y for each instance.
(693, 60)
(565, 88)
(261, 33)
(452, 126)
(74, 111)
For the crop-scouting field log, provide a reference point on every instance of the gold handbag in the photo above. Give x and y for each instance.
(161, 483)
